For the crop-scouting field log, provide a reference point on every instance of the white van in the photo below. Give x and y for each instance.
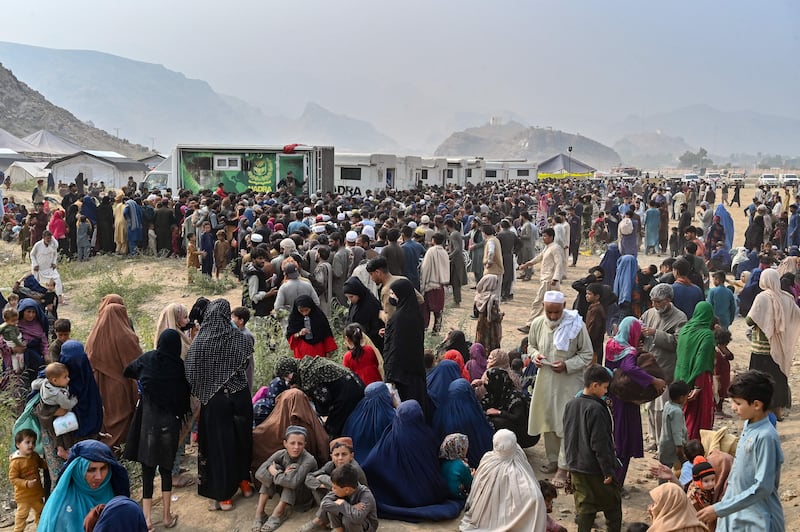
(789, 180)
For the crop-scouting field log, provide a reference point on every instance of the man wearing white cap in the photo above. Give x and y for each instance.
(425, 224)
(551, 271)
(561, 348)
(356, 251)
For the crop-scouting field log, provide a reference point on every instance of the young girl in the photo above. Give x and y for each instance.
(722, 368)
(455, 470)
(550, 493)
(361, 359)
(701, 489)
(308, 332)
(319, 481)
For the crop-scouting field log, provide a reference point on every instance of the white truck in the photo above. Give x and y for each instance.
(239, 168)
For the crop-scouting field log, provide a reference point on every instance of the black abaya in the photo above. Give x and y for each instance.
(223, 456)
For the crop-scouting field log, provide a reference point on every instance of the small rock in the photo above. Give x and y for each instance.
(788, 495)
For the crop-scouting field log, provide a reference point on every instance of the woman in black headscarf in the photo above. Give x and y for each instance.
(506, 407)
(365, 310)
(308, 332)
(455, 340)
(403, 358)
(216, 368)
(334, 389)
(162, 408)
(105, 226)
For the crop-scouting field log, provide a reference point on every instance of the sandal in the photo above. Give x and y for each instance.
(223, 506)
(560, 483)
(274, 521)
(258, 522)
(172, 523)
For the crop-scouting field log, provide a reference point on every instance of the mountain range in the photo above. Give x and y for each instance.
(160, 107)
(24, 111)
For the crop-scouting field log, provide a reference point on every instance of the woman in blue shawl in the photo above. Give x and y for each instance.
(625, 284)
(370, 418)
(727, 224)
(88, 411)
(91, 476)
(439, 380)
(133, 219)
(609, 264)
(404, 473)
(748, 265)
(463, 413)
(121, 514)
(89, 209)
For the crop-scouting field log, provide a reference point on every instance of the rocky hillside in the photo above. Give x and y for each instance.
(516, 141)
(24, 111)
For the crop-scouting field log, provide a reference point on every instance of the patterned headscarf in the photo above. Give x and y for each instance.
(501, 393)
(319, 370)
(454, 447)
(219, 354)
(285, 366)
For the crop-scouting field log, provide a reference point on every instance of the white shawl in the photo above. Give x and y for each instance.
(777, 315)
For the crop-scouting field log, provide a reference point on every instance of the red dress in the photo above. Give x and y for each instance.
(302, 348)
(366, 366)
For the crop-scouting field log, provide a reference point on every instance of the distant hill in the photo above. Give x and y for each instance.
(24, 111)
(651, 149)
(723, 132)
(318, 125)
(146, 101)
(513, 140)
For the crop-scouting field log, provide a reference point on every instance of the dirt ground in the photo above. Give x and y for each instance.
(170, 275)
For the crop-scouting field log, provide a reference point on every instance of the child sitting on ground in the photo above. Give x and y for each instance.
(751, 497)
(455, 470)
(63, 328)
(674, 433)
(701, 489)
(350, 505)
(319, 481)
(12, 336)
(23, 472)
(54, 391)
(549, 492)
(722, 368)
(285, 472)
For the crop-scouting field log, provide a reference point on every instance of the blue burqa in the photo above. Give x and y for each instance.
(609, 264)
(121, 514)
(73, 498)
(652, 219)
(463, 413)
(439, 380)
(404, 473)
(369, 419)
(625, 280)
(727, 224)
(82, 385)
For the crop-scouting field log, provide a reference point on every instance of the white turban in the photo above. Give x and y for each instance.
(553, 296)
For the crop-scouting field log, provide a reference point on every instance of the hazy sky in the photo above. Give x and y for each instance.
(576, 65)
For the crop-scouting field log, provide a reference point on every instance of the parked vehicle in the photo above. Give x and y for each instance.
(789, 180)
(770, 180)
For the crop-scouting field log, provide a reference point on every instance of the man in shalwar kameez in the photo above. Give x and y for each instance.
(561, 348)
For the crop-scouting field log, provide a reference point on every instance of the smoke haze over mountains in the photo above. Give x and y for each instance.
(415, 70)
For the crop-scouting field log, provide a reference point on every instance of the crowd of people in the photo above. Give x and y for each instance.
(349, 439)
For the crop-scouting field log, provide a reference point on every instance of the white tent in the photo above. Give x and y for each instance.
(19, 172)
(51, 144)
(9, 141)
